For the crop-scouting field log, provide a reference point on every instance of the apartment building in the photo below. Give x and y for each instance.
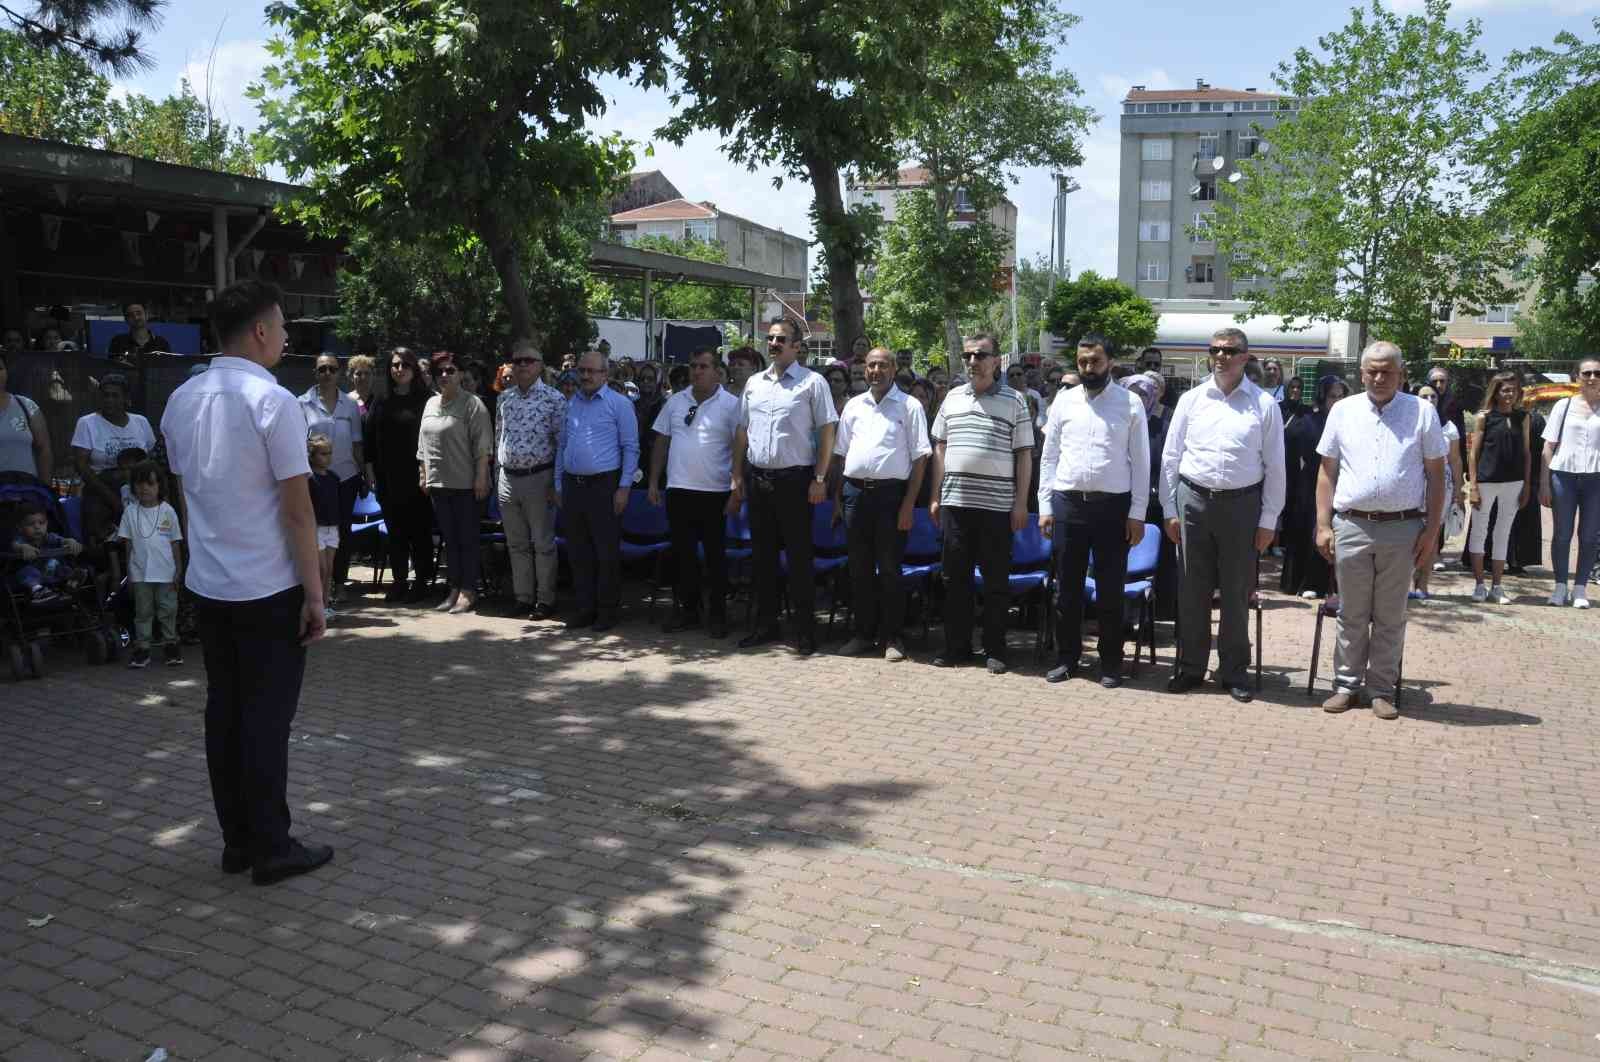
(1180, 150)
(748, 244)
(886, 194)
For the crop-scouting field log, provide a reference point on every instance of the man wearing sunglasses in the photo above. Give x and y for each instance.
(596, 457)
(527, 430)
(695, 431)
(780, 463)
(1221, 475)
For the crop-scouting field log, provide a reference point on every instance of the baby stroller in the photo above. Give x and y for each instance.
(76, 613)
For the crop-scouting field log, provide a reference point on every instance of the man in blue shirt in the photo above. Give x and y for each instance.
(596, 458)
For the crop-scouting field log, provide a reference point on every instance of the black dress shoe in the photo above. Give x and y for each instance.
(759, 637)
(1061, 672)
(605, 619)
(1238, 691)
(542, 612)
(680, 621)
(942, 660)
(1110, 682)
(235, 860)
(1182, 682)
(717, 627)
(581, 621)
(300, 859)
(805, 644)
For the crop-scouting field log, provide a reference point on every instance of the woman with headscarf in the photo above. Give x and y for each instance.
(1291, 406)
(1306, 571)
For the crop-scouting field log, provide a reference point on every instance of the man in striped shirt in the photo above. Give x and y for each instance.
(982, 464)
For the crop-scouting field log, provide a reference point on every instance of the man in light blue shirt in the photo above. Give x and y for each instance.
(596, 457)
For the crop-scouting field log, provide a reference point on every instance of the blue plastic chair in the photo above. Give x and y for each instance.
(737, 551)
(1032, 572)
(830, 554)
(366, 520)
(646, 536)
(72, 513)
(922, 564)
(1137, 587)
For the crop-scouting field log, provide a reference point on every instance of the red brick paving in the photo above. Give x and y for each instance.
(566, 848)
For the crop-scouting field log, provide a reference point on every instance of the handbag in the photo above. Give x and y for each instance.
(1455, 521)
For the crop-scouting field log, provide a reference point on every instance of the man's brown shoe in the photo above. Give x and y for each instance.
(1339, 702)
(1383, 708)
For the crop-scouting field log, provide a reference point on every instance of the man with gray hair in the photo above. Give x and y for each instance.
(1221, 475)
(1380, 499)
(527, 433)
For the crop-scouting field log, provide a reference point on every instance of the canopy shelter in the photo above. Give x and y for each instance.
(656, 269)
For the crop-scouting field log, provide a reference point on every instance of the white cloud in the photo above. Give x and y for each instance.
(1113, 87)
(222, 75)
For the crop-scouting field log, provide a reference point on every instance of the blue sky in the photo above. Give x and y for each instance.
(1161, 45)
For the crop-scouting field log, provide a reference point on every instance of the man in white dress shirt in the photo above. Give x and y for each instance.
(780, 463)
(237, 442)
(883, 441)
(1094, 484)
(697, 427)
(1221, 476)
(1380, 501)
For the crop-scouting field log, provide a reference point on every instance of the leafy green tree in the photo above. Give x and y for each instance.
(1557, 329)
(828, 87)
(50, 94)
(926, 271)
(1367, 209)
(453, 116)
(79, 29)
(1547, 156)
(1092, 303)
(1033, 289)
(179, 129)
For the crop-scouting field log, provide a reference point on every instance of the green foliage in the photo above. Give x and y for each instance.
(77, 30)
(674, 301)
(1366, 208)
(1547, 156)
(181, 130)
(453, 115)
(49, 94)
(1557, 329)
(1033, 288)
(927, 271)
(1093, 303)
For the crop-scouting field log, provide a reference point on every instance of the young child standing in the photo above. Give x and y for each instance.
(325, 504)
(155, 565)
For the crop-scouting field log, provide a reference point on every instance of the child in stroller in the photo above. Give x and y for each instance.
(46, 558)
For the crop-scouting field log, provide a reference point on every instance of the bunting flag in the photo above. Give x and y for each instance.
(205, 240)
(297, 265)
(151, 220)
(191, 256)
(50, 225)
(130, 249)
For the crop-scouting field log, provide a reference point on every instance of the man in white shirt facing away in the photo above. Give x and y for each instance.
(1221, 477)
(237, 442)
(883, 442)
(697, 427)
(1094, 484)
(1380, 501)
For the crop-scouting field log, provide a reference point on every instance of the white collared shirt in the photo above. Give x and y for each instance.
(1381, 452)
(1225, 442)
(700, 455)
(1097, 443)
(881, 440)
(1576, 436)
(233, 435)
(342, 426)
(781, 416)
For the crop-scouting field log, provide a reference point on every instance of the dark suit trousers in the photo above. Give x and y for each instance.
(981, 537)
(594, 540)
(1082, 526)
(877, 547)
(780, 519)
(698, 518)
(254, 666)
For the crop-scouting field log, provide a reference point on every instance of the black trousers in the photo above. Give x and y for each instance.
(981, 537)
(780, 519)
(1081, 526)
(877, 547)
(254, 666)
(456, 510)
(698, 518)
(408, 516)
(594, 539)
(347, 508)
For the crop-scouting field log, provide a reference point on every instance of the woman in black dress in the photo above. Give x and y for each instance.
(1305, 571)
(391, 430)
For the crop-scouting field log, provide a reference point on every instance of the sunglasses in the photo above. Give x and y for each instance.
(688, 418)
(969, 355)
(524, 361)
(777, 341)
(449, 370)
(399, 366)
(1225, 352)
(327, 370)
(1590, 374)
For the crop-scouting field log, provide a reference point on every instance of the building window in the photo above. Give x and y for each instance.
(1208, 145)
(1206, 191)
(1501, 314)
(963, 201)
(704, 231)
(1203, 271)
(1157, 150)
(1202, 225)
(1155, 191)
(1248, 145)
(1156, 270)
(1444, 312)
(1155, 231)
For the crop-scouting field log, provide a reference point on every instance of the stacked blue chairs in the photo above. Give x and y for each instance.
(367, 528)
(921, 566)
(645, 536)
(1137, 587)
(1032, 577)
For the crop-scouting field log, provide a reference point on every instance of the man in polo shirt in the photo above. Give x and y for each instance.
(527, 430)
(780, 463)
(697, 427)
(1380, 501)
(237, 443)
(982, 466)
(597, 455)
(883, 441)
(1221, 476)
(1094, 484)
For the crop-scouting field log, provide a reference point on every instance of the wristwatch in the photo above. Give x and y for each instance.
(819, 479)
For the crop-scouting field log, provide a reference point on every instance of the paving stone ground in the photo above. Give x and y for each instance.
(636, 847)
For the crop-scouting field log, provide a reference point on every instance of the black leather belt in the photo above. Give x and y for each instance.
(1093, 495)
(873, 484)
(534, 471)
(591, 479)
(1384, 518)
(1208, 492)
(791, 472)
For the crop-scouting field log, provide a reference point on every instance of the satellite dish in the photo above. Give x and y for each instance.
(1235, 177)
(1194, 190)
(1217, 164)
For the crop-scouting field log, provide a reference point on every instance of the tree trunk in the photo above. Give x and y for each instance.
(952, 328)
(833, 222)
(502, 246)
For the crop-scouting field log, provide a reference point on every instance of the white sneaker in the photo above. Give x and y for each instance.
(1580, 599)
(1438, 566)
(1558, 596)
(1497, 596)
(1480, 593)
(1309, 595)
